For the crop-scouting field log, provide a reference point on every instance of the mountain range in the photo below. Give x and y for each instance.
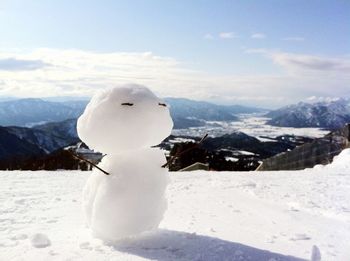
(32, 111)
(40, 148)
(25, 142)
(35, 127)
(189, 113)
(13, 147)
(186, 113)
(329, 114)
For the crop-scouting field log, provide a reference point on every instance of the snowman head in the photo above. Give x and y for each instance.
(124, 118)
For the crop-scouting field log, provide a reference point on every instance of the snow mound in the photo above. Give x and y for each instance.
(40, 240)
(124, 118)
(340, 163)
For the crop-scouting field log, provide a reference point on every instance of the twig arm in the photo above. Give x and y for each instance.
(88, 161)
(184, 151)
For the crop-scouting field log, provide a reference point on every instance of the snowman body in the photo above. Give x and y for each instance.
(132, 198)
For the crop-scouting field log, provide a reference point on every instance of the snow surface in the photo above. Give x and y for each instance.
(251, 124)
(287, 215)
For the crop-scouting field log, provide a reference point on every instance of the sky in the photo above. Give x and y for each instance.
(259, 53)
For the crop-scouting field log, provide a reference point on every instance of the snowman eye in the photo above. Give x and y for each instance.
(127, 104)
(162, 104)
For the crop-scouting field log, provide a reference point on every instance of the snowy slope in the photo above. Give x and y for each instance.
(212, 216)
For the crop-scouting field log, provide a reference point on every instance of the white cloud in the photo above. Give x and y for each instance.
(258, 36)
(294, 39)
(300, 62)
(208, 36)
(308, 63)
(227, 35)
(13, 64)
(308, 75)
(82, 73)
(78, 72)
(305, 63)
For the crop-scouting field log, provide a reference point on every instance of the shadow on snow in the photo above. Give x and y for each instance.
(168, 245)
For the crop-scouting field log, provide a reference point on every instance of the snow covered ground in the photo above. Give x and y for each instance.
(251, 124)
(211, 216)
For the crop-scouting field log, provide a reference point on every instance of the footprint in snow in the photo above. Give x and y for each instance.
(19, 237)
(20, 201)
(293, 206)
(249, 184)
(85, 245)
(40, 240)
(298, 237)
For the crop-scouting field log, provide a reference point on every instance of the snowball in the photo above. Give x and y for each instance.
(110, 127)
(40, 240)
(131, 199)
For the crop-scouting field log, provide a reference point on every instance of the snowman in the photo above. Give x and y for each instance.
(124, 123)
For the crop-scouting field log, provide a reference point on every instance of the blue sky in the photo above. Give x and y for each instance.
(228, 46)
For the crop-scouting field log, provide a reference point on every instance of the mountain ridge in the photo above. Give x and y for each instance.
(31, 111)
(326, 114)
(185, 112)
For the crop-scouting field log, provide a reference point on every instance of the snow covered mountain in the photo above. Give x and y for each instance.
(189, 113)
(66, 129)
(13, 147)
(330, 114)
(186, 113)
(28, 112)
(21, 142)
(46, 139)
(181, 107)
